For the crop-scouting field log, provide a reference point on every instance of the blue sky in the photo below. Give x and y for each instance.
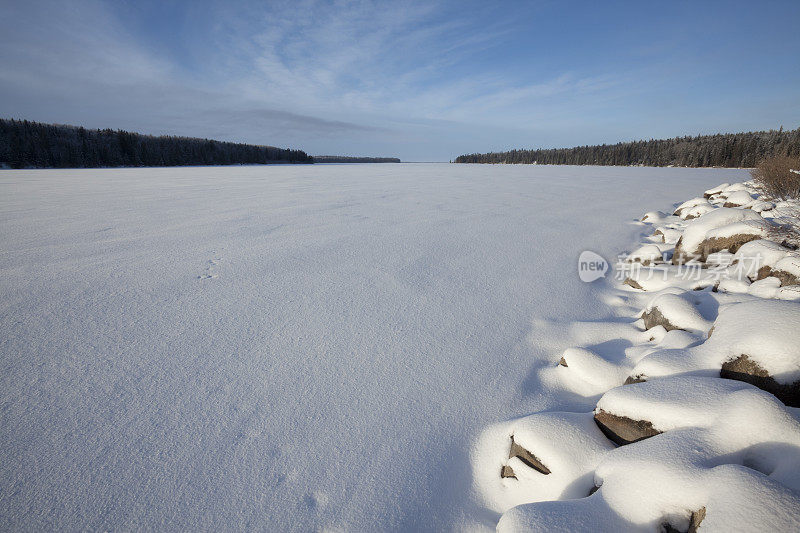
(424, 81)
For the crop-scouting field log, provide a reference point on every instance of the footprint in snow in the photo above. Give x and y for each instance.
(211, 269)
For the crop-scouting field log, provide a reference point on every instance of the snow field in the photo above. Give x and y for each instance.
(297, 348)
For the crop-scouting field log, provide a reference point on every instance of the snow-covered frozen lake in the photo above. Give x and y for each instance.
(286, 347)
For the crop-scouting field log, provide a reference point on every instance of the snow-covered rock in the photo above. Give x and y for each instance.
(716, 190)
(674, 311)
(759, 342)
(668, 235)
(735, 187)
(596, 373)
(725, 458)
(671, 402)
(689, 245)
(756, 254)
(765, 287)
(654, 216)
(646, 255)
(738, 199)
(731, 237)
(787, 269)
(569, 445)
(693, 208)
(760, 206)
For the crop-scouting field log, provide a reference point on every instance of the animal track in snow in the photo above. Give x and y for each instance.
(211, 269)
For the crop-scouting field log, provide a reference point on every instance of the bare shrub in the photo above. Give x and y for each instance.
(785, 230)
(778, 177)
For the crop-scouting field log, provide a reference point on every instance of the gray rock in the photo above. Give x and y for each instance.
(623, 430)
(526, 457)
(745, 369)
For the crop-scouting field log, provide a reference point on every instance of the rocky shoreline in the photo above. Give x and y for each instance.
(695, 388)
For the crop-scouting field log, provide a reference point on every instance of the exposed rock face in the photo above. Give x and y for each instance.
(623, 430)
(732, 243)
(653, 318)
(745, 369)
(786, 278)
(764, 272)
(526, 457)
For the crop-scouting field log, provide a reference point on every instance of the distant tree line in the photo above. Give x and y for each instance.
(25, 144)
(720, 150)
(348, 159)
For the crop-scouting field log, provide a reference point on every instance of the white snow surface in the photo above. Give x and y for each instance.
(294, 347)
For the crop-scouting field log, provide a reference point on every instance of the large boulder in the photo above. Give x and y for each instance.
(788, 270)
(738, 199)
(630, 413)
(756, 258)
(732, 237)
(690, 245)
(759, 342)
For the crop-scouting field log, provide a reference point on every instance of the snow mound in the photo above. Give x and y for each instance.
(654, 216)
(569, 445)
(595, 373)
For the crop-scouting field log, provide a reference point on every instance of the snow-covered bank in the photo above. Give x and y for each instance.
(687, 409)
(292, 347)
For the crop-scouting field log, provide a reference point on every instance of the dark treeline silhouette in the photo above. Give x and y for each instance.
(720, 150)
(25, 144)
(349, 159)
